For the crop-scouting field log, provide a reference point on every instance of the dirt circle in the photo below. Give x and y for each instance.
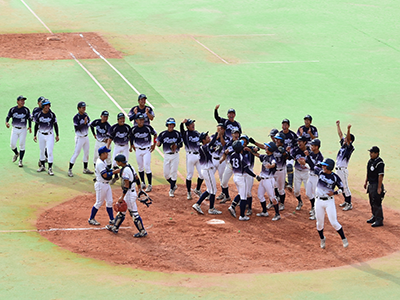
(180, 240)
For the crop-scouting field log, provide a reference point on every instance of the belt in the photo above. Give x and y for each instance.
(46, 133)
(105, 182)
(325, 198)
(17, 127)
(217, 158)
(313, 174)
(122, 145)
(171, 153)
(193, 152)
(280, 169)
(342, 168)
(144, 148)
(266, 177)
(81, 136)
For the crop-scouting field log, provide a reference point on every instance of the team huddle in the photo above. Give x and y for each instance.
(288, 160)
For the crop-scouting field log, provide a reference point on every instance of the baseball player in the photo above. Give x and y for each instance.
(208, 172)
(45, 122)
(171, 141)
(342, 161)
(327, 182)
(314, 157)
(301, 172)
(229, 123)
(141, 142)
(100, 128)
(119, 133)
(35, 111)
(141, 109)
(102, 187)
(217, 152)
(130, 180)
(240, 166)
(191, 140)
(290, 142)
(81, 123)
(307, 130)
(20, 117)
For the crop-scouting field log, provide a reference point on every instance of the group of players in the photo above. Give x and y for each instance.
(293, 155)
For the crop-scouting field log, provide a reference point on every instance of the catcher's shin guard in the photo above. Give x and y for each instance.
(119, 218)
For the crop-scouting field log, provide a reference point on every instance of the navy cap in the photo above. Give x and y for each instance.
(203, 135)
(374, 149)
(235, 130)
(103, 149)
(316, 142)
(273, 132)
(189, 121)
(286, 121)
(120, 158)
(81, 104)
(302, 139)
(140, 117)
(231, 110)
(40, 99)
(105, 113)
(21, 98)
(222, 125)
(141, 96)
(308, 117)
(120, 115)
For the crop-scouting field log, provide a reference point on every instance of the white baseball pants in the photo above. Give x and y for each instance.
(143, 158)
(249, 184)
(120, 149)
(220, 167)
(311, 186)
(299, 177)
(227, 175)
(81, 142)
(192, 161)
(343, 174)
(171, 163)
(240, 182)
(46, 142)
(18, 134)
(209, 179)
(280, 177)
(267, 186)
(329, 206)
(103, 193)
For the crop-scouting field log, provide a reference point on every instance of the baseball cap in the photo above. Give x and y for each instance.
(81, 104)
(189, 121)
(286, 121)
(21, 98)
(273, 132)
(316, 142)
(40, 98)
(120, 115)
(140, 117)
(308, 117)
(120, 158)
(302, 139)
(222, 125)
(203, 135)
(105, 113)
(374, 149)
(141, 96)
(231, 110)
(103, 149)
(235, 130)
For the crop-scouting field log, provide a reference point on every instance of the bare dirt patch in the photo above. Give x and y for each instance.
(44, 46)
(180, 240)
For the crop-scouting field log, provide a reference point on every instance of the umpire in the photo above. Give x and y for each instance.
(374, 185)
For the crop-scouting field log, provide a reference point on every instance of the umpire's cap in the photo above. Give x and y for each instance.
(308, 117)
(120, 158)
(273, 132)
(316, 142)
(329, 163)
(103, 149)
(141, 96)
(120, 115)
(189, 121)
(286, 121)
(45, 102)
(21, 98)
(81, 104)
(203, 135)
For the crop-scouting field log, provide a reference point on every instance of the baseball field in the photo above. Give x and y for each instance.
(270, 60)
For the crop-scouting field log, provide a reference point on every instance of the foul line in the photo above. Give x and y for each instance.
(64, 229)
(208, 49)
(36, 16)
(282, 62)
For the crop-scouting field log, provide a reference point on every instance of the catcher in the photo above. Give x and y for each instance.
(127, 201)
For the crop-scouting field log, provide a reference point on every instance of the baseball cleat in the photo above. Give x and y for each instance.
(225, 199)
(343, 204)
(93, 222)
(214, 211)
(39, 163)
(142, 186)
(289, 188)
(50, 172)
(111, 222)
(197, 208)
(112, 228)
(270, 205)
(140, 234)
(262, 214)
(371, 220)
(87, 171)
(299, 205)
(171, 193)
(322, 245)
(149, 188)
(20, 164)
(175, 188)
(281, 206)
(221, 196)
(348, 206)
(189, 196)
(245, 218)
(232, 211)
(41, 169)
(377, 224)
(276, 218)
(15, 157)
(249, 212)
(70, 174)
(345, 243)
(197, 192)
(312, 217)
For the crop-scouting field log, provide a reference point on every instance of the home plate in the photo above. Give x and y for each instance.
(215, 221)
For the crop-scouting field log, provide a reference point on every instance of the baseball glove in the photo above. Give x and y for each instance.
(120, 206)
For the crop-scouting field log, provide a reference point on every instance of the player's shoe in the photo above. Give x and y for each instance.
(289, 188)
(111, 222)
(262, 214)
(140, 234)
(39, 163)
(189, 196)
(322, 245)
(214, 211)
(299, 205)
(175, 188)
(70, 174)
(312, 217)
(171, 193)
(87, 171)
(343, 204)
(270, 205)
(93, 222)
(197, 208)
(221, 196)
(112, 228)
(50, 172)
(20, 164)
(245, 218)
(143, 186)
(276, 218)
(15, 157)
(225, 199)
(197, 192)
(348, 206)
(232, 211)
(281, 206)
(345, 243)
(149, 188)
(41, 169)
(249, 212)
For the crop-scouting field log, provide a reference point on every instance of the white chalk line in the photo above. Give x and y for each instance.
(36, 16)
(212, 52)
(65, 229)
(281, 62)
(240, 35)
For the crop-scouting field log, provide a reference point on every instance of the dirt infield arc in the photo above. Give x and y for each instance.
(180, 240)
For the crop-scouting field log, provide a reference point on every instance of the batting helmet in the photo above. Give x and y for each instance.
(45, 102)
(170, 121)
(280, 136)
(271, 147)
(273, 132)
(329, 163)
(237, 146)
(244, 136)
(316, 142)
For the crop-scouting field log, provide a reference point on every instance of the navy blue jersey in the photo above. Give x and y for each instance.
(249, 157)
(314, 159)
(190, 139)
(290, 139)
(35, 111)
(344, 154)
(327, 183)
(100, 129)
(297, 153)
(314, 131)
(133, 116)
(239, 163)
(218, 149)
(265, 160)
(205, 154)
(228, 124)
(120, 134)
(280, 159)
(141, 136)
(81, 129)
(167, 139)
(46, 121)
(19, 116)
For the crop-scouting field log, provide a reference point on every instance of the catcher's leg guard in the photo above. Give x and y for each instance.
(138, 221)
(119, 218)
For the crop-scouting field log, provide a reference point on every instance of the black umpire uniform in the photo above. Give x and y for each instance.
(373, 183)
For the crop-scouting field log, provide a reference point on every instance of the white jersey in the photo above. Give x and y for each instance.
(129, 173)
(101, 168)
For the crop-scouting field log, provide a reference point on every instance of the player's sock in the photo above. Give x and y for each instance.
(188, 185)
(276, 207)
(212, 200)
(264, 206)
(93, 213)
(15, 150)
(341, 233)
(290, 179)
(71, 166)
(243, 203)
(42, 163)
(321, 234)
(85, 165)
(50, 165)
(249, 202)
(202, 197)
(312, 203)
(199, 183)
(276, 192)
(173, 183)
(226, 192)
(141, 175)
(299, 198)
(149, 177)
(110, 213)
(45, 153)
(235, 201)
(282, 198)
(21, 154)
(347, 199)
(169, 180)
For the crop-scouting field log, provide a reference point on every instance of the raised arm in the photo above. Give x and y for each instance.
(339, 131)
